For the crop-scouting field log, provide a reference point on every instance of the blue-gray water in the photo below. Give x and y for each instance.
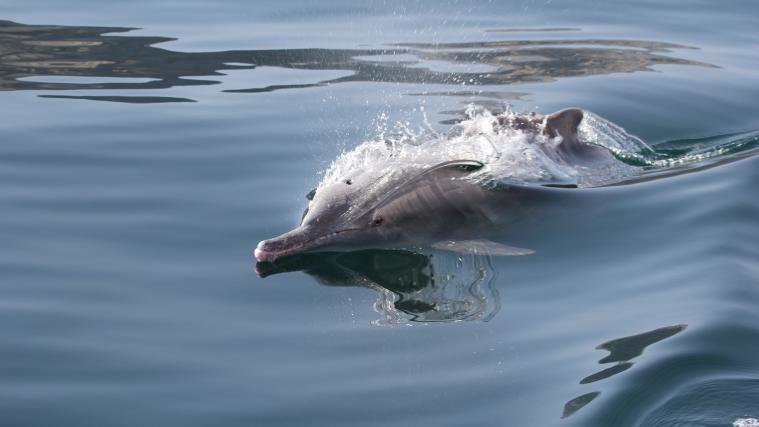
(139, 169)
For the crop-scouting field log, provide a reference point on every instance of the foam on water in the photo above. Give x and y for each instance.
(524, 157)
(509, 155)
(634, 151)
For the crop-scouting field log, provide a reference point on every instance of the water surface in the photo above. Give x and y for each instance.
(139, 168)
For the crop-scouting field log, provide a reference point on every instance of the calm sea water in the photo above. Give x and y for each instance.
(139, 169)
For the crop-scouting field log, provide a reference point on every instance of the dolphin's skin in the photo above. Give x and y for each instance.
(434, 206)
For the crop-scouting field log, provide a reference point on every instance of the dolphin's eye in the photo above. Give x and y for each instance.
(376, 222)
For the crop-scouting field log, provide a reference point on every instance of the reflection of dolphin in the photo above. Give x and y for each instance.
(411, 286)
(436, 206)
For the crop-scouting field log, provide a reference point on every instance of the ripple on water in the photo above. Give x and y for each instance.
(715, 402)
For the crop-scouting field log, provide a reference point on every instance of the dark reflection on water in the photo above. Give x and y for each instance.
(54, 50)
(628, 348)
(411, 287)
(621, 351)
(126, 99)
(578, 403)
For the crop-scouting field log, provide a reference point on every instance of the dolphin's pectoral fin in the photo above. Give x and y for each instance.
(481, 247)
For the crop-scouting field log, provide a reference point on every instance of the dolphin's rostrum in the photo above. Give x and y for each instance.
(436, 205)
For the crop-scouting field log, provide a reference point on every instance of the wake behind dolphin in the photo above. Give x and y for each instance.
(451, 190)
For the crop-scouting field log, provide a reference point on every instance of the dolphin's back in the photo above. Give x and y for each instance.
(443, 199)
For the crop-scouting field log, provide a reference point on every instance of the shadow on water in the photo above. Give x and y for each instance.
(28, 53)
(411, 287)
(621, 352)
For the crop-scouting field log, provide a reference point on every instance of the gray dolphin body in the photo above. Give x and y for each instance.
(436, 206)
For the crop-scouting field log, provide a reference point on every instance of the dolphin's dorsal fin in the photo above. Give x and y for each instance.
(481, 247)
(564, 123)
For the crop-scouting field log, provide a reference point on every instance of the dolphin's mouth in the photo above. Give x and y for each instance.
(264, 255)
(291, 243)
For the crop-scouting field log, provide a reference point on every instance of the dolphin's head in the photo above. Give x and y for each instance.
(362, 211)
(338, 215)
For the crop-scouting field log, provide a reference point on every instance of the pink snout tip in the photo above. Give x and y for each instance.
(260, 253)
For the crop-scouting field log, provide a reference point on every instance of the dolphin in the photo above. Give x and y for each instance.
(432, 206)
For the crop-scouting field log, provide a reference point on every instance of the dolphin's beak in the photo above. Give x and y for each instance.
(298, 240)
(291, 242)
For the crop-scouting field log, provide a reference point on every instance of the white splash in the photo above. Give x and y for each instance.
(746, 422)
(509, 155)
(599, 131)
